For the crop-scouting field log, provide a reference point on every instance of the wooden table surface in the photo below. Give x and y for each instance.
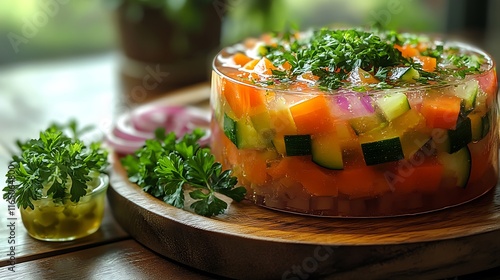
(31, 96)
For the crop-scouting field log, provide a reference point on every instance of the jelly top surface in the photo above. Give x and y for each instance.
(333, 60)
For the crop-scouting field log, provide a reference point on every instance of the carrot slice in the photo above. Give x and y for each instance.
(286, 65)
(425, 177)
(278, 169)
(244, 99)
(254, 166)
(441, 112)
(236, 98)
(249, 66)
(241, 59)
(428, 63)
(264, 67)
(256, 100)
(361, 182)
(307, 173)
(312, 116)
(407, 50)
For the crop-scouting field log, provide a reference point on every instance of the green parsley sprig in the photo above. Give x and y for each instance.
(55, 165)
(167, 166)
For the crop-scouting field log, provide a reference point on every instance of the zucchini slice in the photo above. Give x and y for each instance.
(393, 105)
(382, 151)
(480, 125)
(405, 74)
(461, 136)
(243, 134)
(365, 124)
(457, 165)
(298, 145)
(230, 129)
(410, 75)
(452, 141)
(486, 124)
(468, 92)
(326, 151)
(261, 122)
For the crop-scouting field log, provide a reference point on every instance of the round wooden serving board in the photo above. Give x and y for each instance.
(251, 242)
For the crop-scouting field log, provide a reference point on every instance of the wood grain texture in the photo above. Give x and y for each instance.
(120, 260)
(28, 248)
(250, 242)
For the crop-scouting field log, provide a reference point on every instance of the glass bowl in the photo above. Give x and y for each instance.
(57, 221)
(346, 153)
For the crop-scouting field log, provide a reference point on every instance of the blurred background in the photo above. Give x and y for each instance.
(55, 29)
(93, 59)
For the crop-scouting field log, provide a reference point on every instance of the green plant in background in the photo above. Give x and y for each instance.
(34, 29)
(406, 15)
(188, 14)
(244, 18)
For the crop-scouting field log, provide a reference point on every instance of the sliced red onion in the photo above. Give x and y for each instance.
(123, 146)
(353, 104)
(132, 129)
(367, 102)
(149, 118)
(125, 130)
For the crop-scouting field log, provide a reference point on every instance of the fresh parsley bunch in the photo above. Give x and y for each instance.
(55, 165)
(165, 166)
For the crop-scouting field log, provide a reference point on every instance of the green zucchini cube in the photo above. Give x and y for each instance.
(298, 145)
(382, 151)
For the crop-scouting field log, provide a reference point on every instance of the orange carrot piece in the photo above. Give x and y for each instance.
(254, 166)
(249, 66)
(236, 98)
(286, 65)
(360, 182)
(441, 112)
(310, 77)
(312, 116)
(278, 169)
(244, 99)
(306, 172)
(425, 178)
(256, 99)
(264, 67)
(428, 63)
(241, 59)
(407, 50)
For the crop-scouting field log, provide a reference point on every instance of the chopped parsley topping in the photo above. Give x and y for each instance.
(334, 56)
